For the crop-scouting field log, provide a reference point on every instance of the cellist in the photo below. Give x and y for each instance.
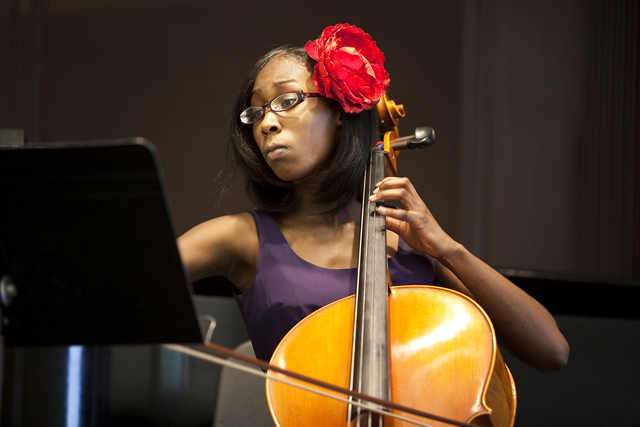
(302, 130)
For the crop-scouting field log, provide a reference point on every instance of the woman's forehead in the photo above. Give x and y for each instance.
(281, 71)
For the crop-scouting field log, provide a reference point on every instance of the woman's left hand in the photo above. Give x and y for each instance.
(415, 223)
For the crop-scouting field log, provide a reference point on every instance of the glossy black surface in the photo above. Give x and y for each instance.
(87, 238)
(580, 295)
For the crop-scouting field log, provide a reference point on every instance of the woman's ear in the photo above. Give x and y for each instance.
(340, 117)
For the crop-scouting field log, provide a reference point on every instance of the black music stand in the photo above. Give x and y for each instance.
(87, 248)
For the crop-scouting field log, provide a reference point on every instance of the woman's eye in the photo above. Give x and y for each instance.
(286, 102)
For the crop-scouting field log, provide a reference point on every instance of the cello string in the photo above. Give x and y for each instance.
(235, 365)
(357, 352)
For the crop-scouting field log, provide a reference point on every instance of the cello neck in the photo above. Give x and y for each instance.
(370, 358)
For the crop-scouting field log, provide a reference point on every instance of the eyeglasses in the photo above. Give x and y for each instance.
(280, 103)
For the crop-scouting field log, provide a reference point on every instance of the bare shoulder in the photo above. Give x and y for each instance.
(224, 246)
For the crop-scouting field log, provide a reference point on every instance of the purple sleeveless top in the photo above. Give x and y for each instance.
(287, 288)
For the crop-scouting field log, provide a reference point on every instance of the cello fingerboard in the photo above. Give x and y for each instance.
(370, 358)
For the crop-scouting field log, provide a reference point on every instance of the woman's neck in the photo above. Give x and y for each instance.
(309, 211)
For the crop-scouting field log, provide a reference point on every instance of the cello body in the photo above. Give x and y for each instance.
(443, 360)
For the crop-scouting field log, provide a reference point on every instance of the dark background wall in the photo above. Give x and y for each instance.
(535, 104)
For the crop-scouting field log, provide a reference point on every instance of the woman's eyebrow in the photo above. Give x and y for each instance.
(278, 83)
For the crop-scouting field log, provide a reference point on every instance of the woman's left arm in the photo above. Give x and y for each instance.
(523, 325)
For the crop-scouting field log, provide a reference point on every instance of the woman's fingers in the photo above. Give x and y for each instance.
(415, 223)
(399, 189)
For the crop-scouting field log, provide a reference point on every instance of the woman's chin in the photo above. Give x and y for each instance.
(294, 176)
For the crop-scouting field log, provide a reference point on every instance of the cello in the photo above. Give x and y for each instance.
(423, 347)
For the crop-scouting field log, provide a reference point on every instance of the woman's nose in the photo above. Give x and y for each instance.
(270, 122)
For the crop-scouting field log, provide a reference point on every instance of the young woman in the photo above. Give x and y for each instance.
(303, 128)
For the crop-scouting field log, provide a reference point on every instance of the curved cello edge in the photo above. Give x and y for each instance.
(493, 387)
(501, 395)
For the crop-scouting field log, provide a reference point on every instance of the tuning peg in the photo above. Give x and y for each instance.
(423, 137)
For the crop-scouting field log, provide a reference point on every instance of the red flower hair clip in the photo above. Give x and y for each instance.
(349, 67)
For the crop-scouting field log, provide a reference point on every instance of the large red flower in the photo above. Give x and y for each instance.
(349, 67)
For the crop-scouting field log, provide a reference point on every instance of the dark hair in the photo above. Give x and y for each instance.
(342, 177)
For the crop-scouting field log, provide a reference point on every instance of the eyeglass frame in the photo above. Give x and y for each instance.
(267, 106)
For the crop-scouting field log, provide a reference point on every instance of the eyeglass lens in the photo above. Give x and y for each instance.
(282, 102)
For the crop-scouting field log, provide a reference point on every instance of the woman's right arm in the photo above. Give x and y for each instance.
(225, 246)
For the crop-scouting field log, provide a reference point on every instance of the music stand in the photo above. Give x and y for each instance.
(87, 238)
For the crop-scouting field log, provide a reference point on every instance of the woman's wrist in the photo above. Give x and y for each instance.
(453, 254)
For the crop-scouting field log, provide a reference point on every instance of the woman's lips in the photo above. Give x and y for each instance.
(276, 151)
